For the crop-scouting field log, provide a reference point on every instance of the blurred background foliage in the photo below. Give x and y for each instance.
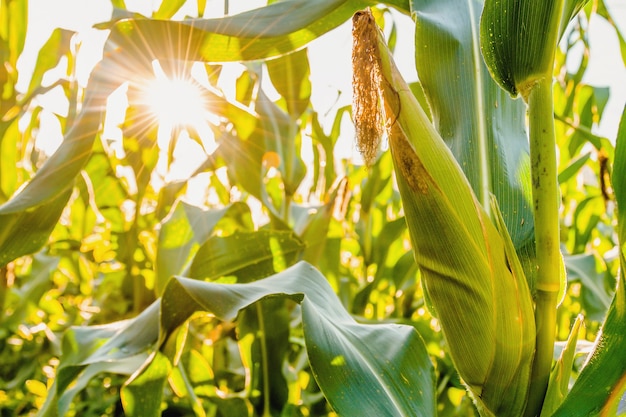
(126, 227)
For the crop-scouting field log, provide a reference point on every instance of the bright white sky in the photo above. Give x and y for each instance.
(329, 56)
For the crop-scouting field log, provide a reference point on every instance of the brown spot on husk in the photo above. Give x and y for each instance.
(412, 168)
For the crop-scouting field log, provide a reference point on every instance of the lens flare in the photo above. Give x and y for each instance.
(175, 102)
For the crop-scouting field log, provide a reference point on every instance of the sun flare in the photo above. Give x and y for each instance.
(176, 102)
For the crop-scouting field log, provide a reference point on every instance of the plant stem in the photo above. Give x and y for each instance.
(546, 211)
(264, 360)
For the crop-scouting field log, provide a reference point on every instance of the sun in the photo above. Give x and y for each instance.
(175, 102)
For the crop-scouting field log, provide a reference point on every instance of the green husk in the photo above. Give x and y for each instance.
(484, 309)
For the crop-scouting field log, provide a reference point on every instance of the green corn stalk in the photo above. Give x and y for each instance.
(470, 272)
(518, 41)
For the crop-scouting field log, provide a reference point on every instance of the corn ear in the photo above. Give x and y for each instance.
(484, 310)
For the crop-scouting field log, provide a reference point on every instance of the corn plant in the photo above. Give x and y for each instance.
(321, 307)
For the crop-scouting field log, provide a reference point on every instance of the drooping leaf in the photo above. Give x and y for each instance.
(58, 172)
(387, 365)
(26, 232)
(266, 32)
(182, 233)
(247, 255)
(120, 347)
(290, 77)
(141, 395)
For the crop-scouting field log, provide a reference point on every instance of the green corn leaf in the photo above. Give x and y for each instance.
(459, 251)
(27, 231)
(57, 46)
(182, 233)
(619, 185)
(561, 373)
(247, 255)
(387, 365)
(141, 394)
(168, 8)
(290, 77)
(382, 370)
(519, 39)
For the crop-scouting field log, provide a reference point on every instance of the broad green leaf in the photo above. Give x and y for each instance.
(168, 8)
(290, 77)
(58, 172)
(388, 367)
(182, 233)
(26, 232)
(482, 125)
(56, 47)
(583, 268)
(282, 137)
(247, 255)
(460, 253)
(119, 347)
(141, 395)
(518, 41)
(261, 33)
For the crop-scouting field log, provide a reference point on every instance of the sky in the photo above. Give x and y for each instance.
(330, 57)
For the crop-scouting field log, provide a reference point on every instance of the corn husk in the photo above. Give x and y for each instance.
(485, 309)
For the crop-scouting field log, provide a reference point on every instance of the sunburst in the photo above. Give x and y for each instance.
(177, 102)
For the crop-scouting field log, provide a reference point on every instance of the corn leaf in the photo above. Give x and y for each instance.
(182, 233)
(387, 366)
(519, 37)
(142, 393)
(561, 373)
(26, 232)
